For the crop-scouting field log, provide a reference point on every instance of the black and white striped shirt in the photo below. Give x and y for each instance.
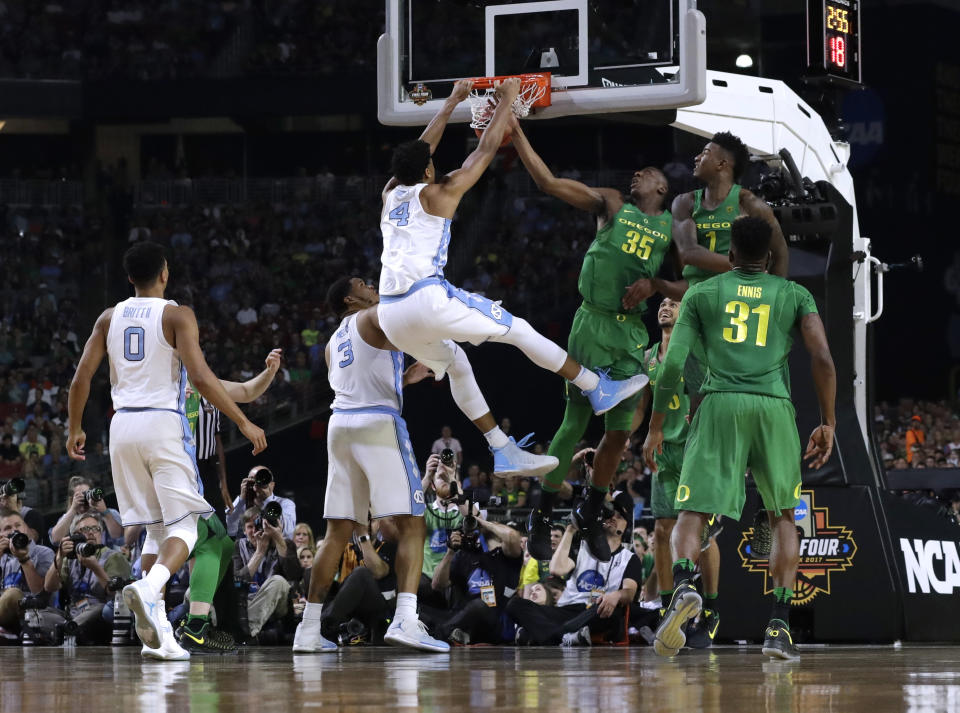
(208, 426)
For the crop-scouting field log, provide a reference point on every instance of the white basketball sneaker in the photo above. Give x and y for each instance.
(309, 640)
(513, 460)
(149, 616)
(413, 633)
(169, 649)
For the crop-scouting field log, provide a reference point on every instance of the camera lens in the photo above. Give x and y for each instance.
(447, 457)
(77, 539)
(263, 478)
(13, 486)
(95, 495)
(272, 513)
(19, 541)
(87, 549)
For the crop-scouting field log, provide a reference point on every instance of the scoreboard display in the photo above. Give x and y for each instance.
(833, 39)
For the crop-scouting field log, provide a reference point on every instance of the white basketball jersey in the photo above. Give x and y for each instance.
(362, 376)
(415, 243)
(145, 371)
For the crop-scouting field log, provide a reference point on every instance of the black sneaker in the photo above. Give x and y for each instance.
(761, 541)
(701, 634)
(538, 535)
(684, 606)
(207, 641)
(591, 530)
(778, 643)
(711, 529)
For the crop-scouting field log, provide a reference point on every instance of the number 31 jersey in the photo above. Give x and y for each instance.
(361, 376)
(145, 371)
(415, 242)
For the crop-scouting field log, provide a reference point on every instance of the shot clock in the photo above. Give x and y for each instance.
(833, 39)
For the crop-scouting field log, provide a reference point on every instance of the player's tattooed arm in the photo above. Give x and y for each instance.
(750, 204)
(93, 352)
(685, 237)
(603, 202)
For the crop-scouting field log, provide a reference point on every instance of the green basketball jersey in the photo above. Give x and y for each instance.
(675, 424)
(192, 409)
(713, 229)
(745, 321)
(630, 246)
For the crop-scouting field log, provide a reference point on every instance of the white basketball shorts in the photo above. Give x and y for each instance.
(427, 320)
(154, 467)
(371, 466)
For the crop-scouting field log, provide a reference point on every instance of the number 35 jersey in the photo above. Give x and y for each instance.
(745, 321)
(145, 371)
(630, 246)
(415, 242)
(362, 376)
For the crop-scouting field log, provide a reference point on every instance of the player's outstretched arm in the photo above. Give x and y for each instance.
(577, 194)
(752, 205)
(93, 353)
(820, 445)
(187, 344)
(460, 181)
(685, 237)
(252, 389)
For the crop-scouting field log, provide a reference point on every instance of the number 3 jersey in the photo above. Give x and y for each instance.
(415, 242)
(362, 376)
(145, 371)
(630, 246)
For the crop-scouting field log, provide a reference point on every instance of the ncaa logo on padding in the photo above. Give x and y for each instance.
(590, 580)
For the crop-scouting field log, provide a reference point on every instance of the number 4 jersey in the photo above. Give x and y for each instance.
(362, 376)
(744, 321)
(415, 242)
(145, 371)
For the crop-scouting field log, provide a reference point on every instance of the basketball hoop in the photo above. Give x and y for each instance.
(534, 92)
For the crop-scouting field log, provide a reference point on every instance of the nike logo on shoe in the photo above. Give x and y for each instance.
(201, 639)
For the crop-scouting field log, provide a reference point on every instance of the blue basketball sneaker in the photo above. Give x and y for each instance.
(513, 460)
(608, 393)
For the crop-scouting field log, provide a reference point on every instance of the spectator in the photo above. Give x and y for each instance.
(253, 495)
(915, 437)
(441, 516)
(22, 571)
(10, 457)
(31, 442)
(267, 564)
(447, 440)
(31, 517)
(303, 537)
(535, 570)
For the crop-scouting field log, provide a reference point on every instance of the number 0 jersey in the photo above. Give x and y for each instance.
(361, 376)
(415, 242)
(145, 371)
(744, 320)
(675, 425)
(713, 229)
(631, 245)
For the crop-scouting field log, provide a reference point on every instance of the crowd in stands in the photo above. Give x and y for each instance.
(917, 434)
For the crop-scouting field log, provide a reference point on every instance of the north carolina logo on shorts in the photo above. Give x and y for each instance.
(418, 497)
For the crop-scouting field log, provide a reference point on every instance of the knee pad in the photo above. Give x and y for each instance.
(186, 530)
(151, 544)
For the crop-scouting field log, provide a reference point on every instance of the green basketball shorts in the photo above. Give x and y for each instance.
(663, 489)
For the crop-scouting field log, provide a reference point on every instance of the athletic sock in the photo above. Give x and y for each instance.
(682, 571)
(496, 438)
(712, 602)
(157, 577)
(586, 379)
(196, 622)
(781, 604)
(406, 606)
(665, 598)
(312, 610)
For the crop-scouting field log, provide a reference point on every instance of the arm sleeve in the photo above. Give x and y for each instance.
(685, 332)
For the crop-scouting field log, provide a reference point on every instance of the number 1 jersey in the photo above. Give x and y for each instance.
(145, 371)
(745, 320)
(361, 376)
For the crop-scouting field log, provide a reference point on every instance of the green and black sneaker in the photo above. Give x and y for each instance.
(777, 642)
(684, 606)
(206, 641)
(701, 634)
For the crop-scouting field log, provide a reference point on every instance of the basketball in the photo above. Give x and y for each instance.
(507, 135)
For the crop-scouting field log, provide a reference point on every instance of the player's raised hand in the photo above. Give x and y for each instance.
(76, 442)
(819, 447)
(636, 293)
(255, 435)
(461, 89)
(652, 446)
(508, 89)
(273, 360)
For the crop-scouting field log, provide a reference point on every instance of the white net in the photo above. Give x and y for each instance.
(483, 102)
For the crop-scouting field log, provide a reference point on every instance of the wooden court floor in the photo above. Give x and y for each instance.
(833, 679)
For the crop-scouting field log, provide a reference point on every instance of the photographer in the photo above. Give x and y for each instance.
(83, 569)
(86, 498)
(597, 593)
(482, 563)
(11, 498)
(256, 490)
(441, 515)
(267, 562)
(23, 565)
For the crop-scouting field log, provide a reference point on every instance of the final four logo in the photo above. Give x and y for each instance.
(825, 549)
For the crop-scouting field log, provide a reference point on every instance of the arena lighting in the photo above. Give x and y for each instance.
(744, 61)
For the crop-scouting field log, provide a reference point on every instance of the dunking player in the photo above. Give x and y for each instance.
(633, 236)
(152, 345)
(744, 320)
(424, 315)
(666, 478)
(371, 464)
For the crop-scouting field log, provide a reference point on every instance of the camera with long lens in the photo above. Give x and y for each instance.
(19, 541)
(261, 479)
(448, 457)
(271, 513)
(78, 541)
(14, 486)
(94, 495)
(469, 532)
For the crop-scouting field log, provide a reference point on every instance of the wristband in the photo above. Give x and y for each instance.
(363, 538)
